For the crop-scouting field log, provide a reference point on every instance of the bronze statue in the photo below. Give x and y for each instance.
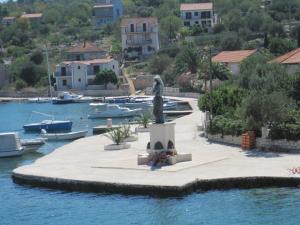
(158, 102)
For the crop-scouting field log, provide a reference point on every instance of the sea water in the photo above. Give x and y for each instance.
(22, 205)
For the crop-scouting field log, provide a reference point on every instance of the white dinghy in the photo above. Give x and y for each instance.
(63, 136)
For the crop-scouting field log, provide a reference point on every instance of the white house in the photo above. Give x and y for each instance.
(198, 14)
(233, 59)
(290, 60)
(9, 20)
(80, 74)
(139, 36)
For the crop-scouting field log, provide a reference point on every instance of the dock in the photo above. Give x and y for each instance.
(84, 165)
(104, 129)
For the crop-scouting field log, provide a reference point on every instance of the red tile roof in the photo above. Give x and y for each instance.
(151, 20)
(103, 6)
(292, 57)
(85, 47)
(90, 62)
(196, 6)
(32, 15)
(233, 56)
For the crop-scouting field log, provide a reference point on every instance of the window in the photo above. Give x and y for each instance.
(188, 15)
(196, 14)
(78, 57)
(113, 66)
(205, 15)
(78, 67)
(197, 22)
(131, 27)
(144, 27)
(96, 69)
(63, 71)
(187, 24)
(64, 82)
(79, 80)
(118, 12)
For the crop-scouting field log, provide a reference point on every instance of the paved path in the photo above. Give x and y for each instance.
(85, 161)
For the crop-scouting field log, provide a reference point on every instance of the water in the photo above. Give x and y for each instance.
(21, 205)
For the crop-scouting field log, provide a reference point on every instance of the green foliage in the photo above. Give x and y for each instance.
(144, 120)
(20, 84)
(280, 46)
(116, 135)
(226, 126)
(126, 129)
(159, 63)
(295, 93)
(286, 131)
(37, 57)
(225, 100)
(105, 77)
(188, 58)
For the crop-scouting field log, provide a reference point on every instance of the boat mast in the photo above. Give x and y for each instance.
(48, 69)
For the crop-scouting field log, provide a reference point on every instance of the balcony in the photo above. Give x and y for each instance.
(140, 30)
(59, 74)
(139, 42)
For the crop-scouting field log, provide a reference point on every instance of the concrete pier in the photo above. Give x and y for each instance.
(84, 165)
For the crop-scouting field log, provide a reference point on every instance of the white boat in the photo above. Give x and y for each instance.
(66, 98)
(31, 145)
(63, 136)
(84, 99)
(39, 100)
(10, 145)
(115, 111)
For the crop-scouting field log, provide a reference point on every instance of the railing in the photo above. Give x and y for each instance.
(59, 74)
(139, 30)
(138, 42)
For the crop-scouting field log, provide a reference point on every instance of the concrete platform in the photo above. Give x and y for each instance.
(84, 165)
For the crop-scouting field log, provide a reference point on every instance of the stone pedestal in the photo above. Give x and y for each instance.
(162, 149)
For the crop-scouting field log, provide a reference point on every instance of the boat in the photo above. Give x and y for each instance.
(84, 100)
(115, 111)
(49, 126)
(31, 145)
(170, 105)
(63, 136)
(39, 100)
(66, 98)
(10, 145)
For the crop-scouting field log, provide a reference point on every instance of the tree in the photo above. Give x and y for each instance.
(280, 46)
(105, 77)
(188, 59)
(159, 63)
(37, 57)
(230, 42)
(295, 93)
(170, 26)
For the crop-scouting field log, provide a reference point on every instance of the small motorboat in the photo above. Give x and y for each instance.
(10, 145)
(39, 100)
(63, 136)
(115, 111)
(31, 145)
(49, 126)
(66, 98)
(170, 105)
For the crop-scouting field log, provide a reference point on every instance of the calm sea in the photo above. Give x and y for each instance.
(21, 205)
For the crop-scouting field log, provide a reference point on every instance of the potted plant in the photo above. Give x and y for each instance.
(127, 133)
(117, 136)
(144, 122)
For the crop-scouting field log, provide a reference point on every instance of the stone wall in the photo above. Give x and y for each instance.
(175, 92)
(261, 143)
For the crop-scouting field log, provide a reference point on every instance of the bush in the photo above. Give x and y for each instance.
(226, 126)
(20, 84)
(290, 132)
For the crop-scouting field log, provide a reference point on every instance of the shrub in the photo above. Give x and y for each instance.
(226, 126)
(20, 84)
(290, 132)
(145, 120)
(126, 129)
(116, 135)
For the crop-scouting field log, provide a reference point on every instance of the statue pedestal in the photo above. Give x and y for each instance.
(161, 148)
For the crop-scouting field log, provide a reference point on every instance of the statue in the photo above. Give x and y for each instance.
(158, 102)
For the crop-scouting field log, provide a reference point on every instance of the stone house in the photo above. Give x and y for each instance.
(233, 59)
(139, 36)
(33, 17)
(83, 63)
(107, 11)
(290, 60)
(198, 14)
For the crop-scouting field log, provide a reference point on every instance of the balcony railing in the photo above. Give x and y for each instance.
(139, 42)
(59, 74)
(140, 30)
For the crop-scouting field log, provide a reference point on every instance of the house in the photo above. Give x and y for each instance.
(139, 36)
(233, 59)
(107, 11)
(7, 21)
(4, 76)
(86, 51)
(290, 60)
(80, 74)
(33, 17)
(198, 14)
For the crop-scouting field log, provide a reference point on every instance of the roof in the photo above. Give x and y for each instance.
(90, 62)
(85, 47)
(233, 56)
(103, 6)
(32, 15)
(196, 6)
(151, 20)
(292, 57)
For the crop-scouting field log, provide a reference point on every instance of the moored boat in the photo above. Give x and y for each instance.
(31, 145)
(63, 136)
(10, 145)
(49, 126)
(115, 111)
(66, 98)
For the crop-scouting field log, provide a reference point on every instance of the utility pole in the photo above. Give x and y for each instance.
(48, 69)
(210, 88)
